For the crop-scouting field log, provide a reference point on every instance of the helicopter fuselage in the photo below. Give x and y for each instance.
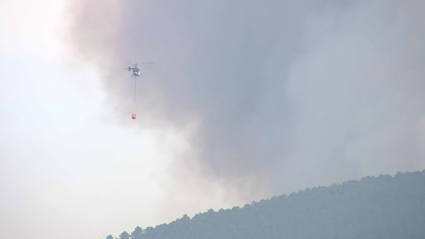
(136, 71)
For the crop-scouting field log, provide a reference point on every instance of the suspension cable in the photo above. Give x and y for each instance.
(135, 88)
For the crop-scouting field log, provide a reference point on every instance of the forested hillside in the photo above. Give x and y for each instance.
(374, 207)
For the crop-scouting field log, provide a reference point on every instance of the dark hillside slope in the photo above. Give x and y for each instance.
(374, 207)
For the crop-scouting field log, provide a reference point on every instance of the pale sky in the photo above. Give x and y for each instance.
(239, 106)
(67, 167)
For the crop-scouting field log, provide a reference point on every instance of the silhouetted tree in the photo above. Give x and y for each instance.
(124, 235)
(137, 233)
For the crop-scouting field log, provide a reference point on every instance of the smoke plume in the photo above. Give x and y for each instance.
(275, 95)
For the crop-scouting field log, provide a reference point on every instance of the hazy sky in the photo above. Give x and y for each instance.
(247, 99)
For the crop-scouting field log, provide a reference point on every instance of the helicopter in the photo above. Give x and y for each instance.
(136, 69)
(136, 74)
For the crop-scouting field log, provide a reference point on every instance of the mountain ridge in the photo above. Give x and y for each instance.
(372, 207)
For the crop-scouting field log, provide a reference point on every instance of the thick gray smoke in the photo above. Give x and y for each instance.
(284, 94)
